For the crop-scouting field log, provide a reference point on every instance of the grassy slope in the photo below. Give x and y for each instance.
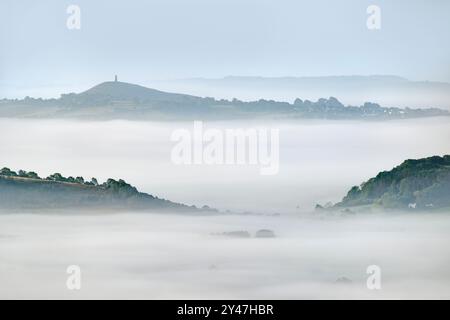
(17, 192)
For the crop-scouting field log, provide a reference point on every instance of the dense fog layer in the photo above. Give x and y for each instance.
(319, 160)
(174, 256)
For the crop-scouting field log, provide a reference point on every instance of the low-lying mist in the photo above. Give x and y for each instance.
(155, 256)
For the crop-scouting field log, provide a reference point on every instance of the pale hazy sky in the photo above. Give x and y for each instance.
(165, 39)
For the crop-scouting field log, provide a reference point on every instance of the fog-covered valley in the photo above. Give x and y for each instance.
(129, 255)
(177, 257)
(227, 149)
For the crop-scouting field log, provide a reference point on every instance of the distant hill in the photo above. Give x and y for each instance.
(26, 190)
(117, 91)
(386, 90)
(120, 100)
(415, 184)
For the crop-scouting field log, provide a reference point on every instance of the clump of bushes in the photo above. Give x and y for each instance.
(23, 174)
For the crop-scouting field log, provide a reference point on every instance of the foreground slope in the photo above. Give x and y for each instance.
(26, 190)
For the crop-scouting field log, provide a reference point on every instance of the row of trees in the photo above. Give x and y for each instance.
(119, 186)
(21, 173)
(54, 177)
